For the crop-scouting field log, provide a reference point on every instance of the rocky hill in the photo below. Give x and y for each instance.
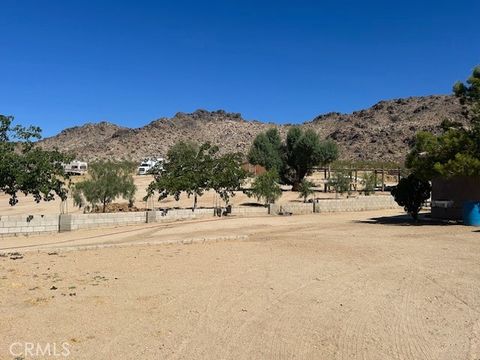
(382, 132)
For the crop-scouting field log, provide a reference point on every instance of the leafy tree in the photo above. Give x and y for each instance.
(469, 93)
(27, 169)
(340, 181)
(267, 150)
(227, 175)
(188, 169)
(306, 189)
(107, 181)
(456, 151)
(265, 186)
(411, 192)
(295, 159)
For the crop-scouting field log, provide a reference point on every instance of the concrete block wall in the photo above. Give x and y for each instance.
(180, 214)
(71, 222)
(293, 208)
(92, 221)
(362, 203)
(249, 211)
(28, 224)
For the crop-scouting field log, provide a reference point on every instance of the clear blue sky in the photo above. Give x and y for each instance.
(68, 62)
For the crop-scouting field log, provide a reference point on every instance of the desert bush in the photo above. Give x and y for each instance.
(340, 181)
(306, 189)
(369, 181)
(411, 192)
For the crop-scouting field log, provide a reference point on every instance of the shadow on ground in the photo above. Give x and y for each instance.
(406, 220)
(252, 204)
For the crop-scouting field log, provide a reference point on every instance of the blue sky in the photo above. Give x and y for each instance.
(64, 63)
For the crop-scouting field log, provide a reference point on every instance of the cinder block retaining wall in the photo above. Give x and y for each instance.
(250, 211)
(28, 224)
(293, 208)
(69, 222)
(361, 203)
(37, 224)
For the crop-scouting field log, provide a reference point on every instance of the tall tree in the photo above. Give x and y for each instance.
(27, 169)
(107, 181)
(188, 169)
(305, 150)
(227, 175)
(267, 150)
(456, 151)
(302, 151)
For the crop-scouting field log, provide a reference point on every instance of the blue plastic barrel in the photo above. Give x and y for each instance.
(471, 213)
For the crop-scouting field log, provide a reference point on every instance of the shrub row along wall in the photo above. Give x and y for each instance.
(28, 224)
(361, 203)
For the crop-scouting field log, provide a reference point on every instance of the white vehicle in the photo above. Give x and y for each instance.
(76, 167)
(147, 166)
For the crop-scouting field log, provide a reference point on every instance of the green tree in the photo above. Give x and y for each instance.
(306, 189)
(266, 150)
(107, 181)
(227, 175)
(295, 159)
(469, 93)
(411, 192)
(27, 169)
(188, 168)
(456, 151)
(265, 187)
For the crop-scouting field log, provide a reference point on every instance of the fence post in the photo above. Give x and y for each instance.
(383, 179)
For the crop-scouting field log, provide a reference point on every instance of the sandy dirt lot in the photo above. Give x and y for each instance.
(339, 286)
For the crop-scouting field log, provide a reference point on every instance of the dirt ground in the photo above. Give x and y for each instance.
(339, 286)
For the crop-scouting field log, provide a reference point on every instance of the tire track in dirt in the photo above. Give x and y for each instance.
(474, 345)
(272, 314)
(351, 340)
(140, 230)
(217, 299)
(357, 336)
(414, 321)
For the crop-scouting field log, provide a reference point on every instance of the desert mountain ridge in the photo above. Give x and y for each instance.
(381, 132)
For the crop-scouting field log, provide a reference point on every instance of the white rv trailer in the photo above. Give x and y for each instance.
(76, 167)
(147, 166)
